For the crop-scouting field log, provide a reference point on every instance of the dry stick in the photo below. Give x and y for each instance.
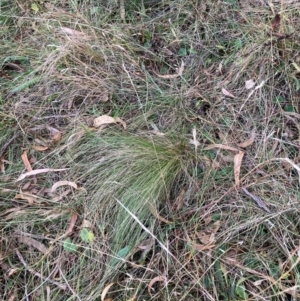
(257, 200)
(59, 285)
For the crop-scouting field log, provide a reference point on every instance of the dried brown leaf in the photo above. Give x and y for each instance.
(26, 161)
(171, 76)
(16, 209)
(72, 224)
(38, 171)
(105, 291)
(222, 146)
(249, 141)
(63, 183)
(276, 22)
(227, 93)
(237, 161)
(30, 198)
(154, 280)
(55, 134)
(40, 148)
(34, 243)
(105, 119)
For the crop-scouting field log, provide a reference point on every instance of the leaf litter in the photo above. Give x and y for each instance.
(227, 93)
(34, 243)
(63, 183)
(154, 280)
(39, 171)
(103, 120)
(237, 161)
(249, 141)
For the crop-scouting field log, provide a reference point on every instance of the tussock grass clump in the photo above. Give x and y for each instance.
(138, 171)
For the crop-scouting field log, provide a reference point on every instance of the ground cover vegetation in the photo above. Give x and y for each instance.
(149, 150)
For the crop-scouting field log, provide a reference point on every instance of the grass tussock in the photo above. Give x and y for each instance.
(161, 207)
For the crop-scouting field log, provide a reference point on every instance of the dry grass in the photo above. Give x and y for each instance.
(169, 221)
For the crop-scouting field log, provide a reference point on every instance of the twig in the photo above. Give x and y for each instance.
(257, 200)
(59, 285)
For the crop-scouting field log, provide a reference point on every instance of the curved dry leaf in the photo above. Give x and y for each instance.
(227, 93)
(63, 183)
(237, 161)
(38, 171)
(222, 146)
(249, 141)
(40, 148)
(26, 161)
(171, 76)
(72, 223)
(105, 291)
(154, 280)
(105, 119)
